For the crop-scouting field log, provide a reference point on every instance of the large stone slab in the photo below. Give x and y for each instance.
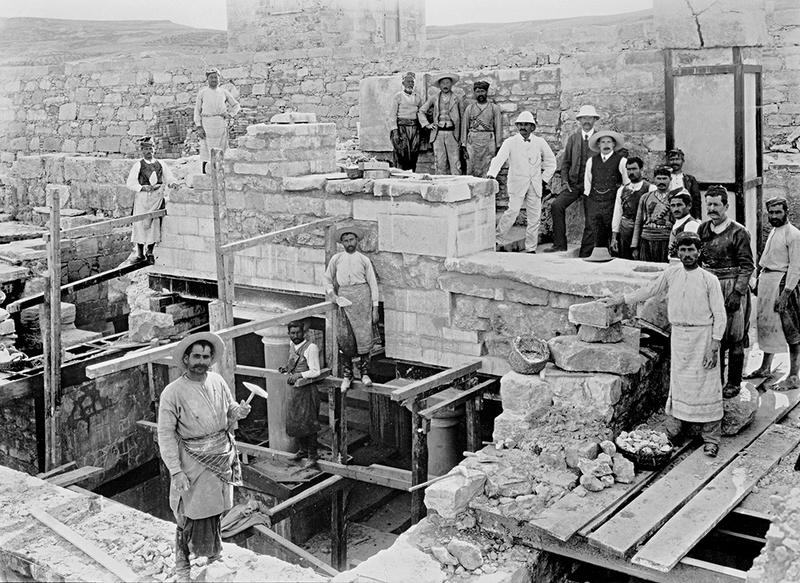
(593, 393)
(609, 335)
(450, 497)
(375, 101)
(571, 353)
(709, 23)
(599, 314)
(526, 395)
(13, 231)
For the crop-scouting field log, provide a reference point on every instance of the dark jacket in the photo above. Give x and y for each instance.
(690, 184)
(571, 167)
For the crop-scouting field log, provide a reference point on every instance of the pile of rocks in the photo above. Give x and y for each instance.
(779, 561)
(601, 466)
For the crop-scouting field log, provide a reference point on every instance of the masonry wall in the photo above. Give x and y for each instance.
(18, 448)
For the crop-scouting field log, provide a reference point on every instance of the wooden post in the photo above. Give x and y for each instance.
(223, 317)
(331, 345)
(419, 461)
(473, 424)
(339, 530)
(334, 418)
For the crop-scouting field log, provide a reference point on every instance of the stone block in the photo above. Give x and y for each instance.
(597, 313)
(526, 395)
(7, 327)
(572, 354)
(467, 553)
(304, 183)
(451, 496)
(470, 285)
(585, 449)
(609, 335)
(623, 468)
(739, 411)
(591, 483)
(68, 112)
(442, 555)
(28, 167)
(144, 326)
(293, 117)
(443, 190)
(525, 294)
(358, 186)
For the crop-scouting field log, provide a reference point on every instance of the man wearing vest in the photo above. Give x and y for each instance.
(573, 165)
(679, 179)
(625, 208)
(147, 179)
(605, 173)
(680, 204)
(302, 407)
(446, 125)
(654, 221)
(481, 131)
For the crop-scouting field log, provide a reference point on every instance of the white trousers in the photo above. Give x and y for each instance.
(533, 209)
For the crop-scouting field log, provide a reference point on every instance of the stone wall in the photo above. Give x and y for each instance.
(18, 449)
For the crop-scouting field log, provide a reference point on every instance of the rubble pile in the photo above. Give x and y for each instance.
(602, 466)
(779, 561)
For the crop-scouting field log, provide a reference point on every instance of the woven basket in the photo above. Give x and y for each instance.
(528, 355)
(643, 461)
(353, 172)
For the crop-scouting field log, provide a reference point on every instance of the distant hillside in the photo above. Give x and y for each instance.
(44, 41)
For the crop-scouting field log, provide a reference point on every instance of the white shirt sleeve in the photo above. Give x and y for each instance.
(624, 171)
(587, 177)
(372, 281)
(616, 219)
(548, 162)
(499, 159)
(133, 178)
(312, 358)
(198, 107)
(167, 175)
(231, 101)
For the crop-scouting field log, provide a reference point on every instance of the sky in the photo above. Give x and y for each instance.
(211, 13)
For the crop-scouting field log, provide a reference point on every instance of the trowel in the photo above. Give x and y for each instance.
(254, 390)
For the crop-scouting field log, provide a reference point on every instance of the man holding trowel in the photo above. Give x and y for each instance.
(303, 404)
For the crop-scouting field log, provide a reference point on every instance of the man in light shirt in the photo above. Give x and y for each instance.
(625, 207)
(680, 204)
(406, 137)
(530, 162)
(778, 317)
(302, 407)
(213, 108)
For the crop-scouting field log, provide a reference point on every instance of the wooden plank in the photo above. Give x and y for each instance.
(734, 574)
(75, 476)
(696, 519)
(339, 530)
(293, 548)
(118, 568)
(52, 369)
(419, 462)
(59, 470)
(160, 352)
(428, 384)
(649, 511)
(104, 226)
(463, 397)
(331, 323)
(313, 495)
(230, 248)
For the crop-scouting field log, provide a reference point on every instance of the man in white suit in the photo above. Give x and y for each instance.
(530, 162)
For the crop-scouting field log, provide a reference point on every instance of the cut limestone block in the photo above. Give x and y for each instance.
(450, 497)
(293, 117)
(526, 395)
(609, 335)
(598, 313)
(570, 353)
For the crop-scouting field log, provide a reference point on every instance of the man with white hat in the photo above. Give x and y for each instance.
(446, 125)
(197, 415)
(573, 165)
(530, 162)
(213, 108)
(605, 173)
(350, 281)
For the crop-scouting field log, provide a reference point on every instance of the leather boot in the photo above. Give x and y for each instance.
(365, 370)
(182, 565)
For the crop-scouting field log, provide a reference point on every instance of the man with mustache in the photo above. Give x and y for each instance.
(626, 207)
(197, 415)
(481, 131)
(679, 179)
(653, 221)
(446, 125)
(696, 312)
(778, 315)
(406, 137)
(727, 254)
(680, 203)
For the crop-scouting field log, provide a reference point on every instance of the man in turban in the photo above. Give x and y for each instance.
(481, 130)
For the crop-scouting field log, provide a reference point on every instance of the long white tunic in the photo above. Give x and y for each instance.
(210, 111)
(781, 256)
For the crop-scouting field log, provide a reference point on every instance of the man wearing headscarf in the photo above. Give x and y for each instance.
(778, 317)
(213, 108)
(406, 138)
(197, 415)
(481, 130)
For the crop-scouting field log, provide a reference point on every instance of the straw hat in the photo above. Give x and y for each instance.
(525, 117)
(619, 140)
(599, 255)
(180, 349)
(587, 111)
(342, 231)
(452, 76)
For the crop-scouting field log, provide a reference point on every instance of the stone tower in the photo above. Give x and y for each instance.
(272, 25)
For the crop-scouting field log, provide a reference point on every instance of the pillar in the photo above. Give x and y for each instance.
(276, 354)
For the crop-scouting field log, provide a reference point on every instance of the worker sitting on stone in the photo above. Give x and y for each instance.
(696, 311)
(303, 402)
(147, 179)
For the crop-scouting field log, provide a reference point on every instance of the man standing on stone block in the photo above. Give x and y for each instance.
(573, 167)
(625, 208)
(212, 110)
(679, 179)
(406, 137)
(446, 125)
(350, 281)
(727, 254)
(302, 408)
(481, 131)
(778, 315)
(653, 224)
(147, 178)
(605, 173)
(696, 311)
(530, 163)
(197, 415)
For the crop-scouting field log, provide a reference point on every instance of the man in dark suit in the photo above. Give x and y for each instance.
(573, 166)
(675, 159)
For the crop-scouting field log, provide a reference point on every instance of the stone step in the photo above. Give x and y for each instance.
(16, 231)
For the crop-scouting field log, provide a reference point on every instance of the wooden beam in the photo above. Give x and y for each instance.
(121, 570)
(59, 470)
(313, 495)
(339, 530)
(74, 286)
(473, 417)
(455, 400)
(428, 384)
(154, 354)
(50, 325)
(75, 476)
(419, 461)
(293, 548)
(104, 226)
(231, 248)
(703, 512)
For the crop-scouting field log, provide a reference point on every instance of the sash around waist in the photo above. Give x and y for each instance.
(203, 442)
(407, 121)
